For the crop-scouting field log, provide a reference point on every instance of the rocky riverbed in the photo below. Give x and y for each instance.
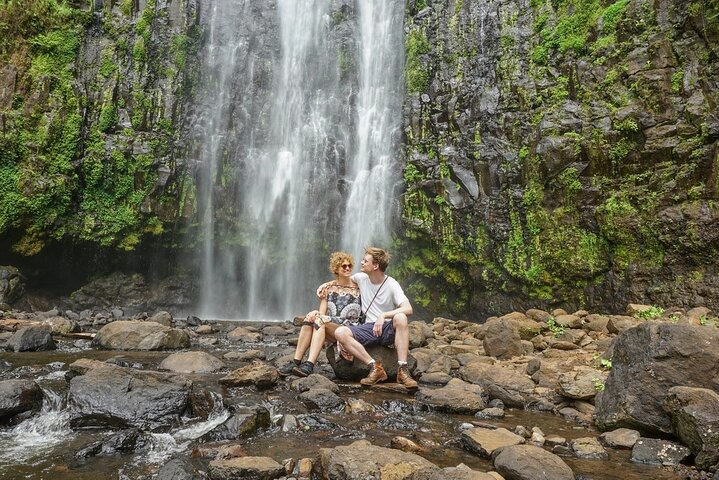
(527, 395)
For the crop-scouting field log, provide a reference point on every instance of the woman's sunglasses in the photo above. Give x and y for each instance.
(346, 266)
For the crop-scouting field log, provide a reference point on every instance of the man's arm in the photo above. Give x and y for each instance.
(404, 307)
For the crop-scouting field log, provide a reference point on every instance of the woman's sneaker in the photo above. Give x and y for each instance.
(305, 369)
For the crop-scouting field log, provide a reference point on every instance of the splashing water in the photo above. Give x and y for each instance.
(30, 440)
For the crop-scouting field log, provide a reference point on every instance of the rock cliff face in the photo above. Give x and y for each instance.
(556, 152)
(561, 152)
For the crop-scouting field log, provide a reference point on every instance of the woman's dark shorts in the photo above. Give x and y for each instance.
(363, 334)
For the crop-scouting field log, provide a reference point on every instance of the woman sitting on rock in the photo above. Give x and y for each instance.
(339, 305)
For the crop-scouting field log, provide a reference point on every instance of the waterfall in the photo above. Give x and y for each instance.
(295, 130)
(38, 435)
(373, 168)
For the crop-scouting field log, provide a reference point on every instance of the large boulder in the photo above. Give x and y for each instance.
(502, 339)
(484, 441)
(504, 383)
(455, 397)
(659, 452)
(355, 370)
(124, 397)
(647, 361)
(31, 339)
(582, 383)
(361, 460)
(61, 325)
(258, 373)
(12, 286)
(694, 414)
(527, 462)
(136, 335)
(18, 396)
(192, 362)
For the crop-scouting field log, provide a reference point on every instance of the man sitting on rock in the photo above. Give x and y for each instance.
(386, 308)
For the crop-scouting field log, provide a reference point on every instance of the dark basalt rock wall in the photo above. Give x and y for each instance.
(561, 153)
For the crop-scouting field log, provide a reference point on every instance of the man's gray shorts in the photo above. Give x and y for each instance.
(363, 334)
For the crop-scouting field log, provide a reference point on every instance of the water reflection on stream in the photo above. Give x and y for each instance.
(44, 446)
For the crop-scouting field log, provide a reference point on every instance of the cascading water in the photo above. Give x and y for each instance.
(296, 133)
(37, 435)
(372, 173)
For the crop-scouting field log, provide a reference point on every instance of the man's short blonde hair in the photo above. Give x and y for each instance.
(379, 256)
(337, 259)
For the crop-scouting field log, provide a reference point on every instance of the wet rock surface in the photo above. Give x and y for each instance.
(18, 396)
(459, 427)
(121, 397)
(136, 335)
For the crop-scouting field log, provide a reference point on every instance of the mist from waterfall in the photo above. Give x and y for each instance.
(296, 125)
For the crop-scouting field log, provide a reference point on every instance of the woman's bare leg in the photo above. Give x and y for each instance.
(318, 340)
(305, 338)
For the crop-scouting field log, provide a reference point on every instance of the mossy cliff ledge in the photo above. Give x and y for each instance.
(561, 152)
(92, 95)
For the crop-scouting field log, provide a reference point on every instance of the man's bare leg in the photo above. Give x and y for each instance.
(401, 336)
(344, 336)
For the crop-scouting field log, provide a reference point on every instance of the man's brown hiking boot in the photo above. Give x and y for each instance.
(405, 379)
(377, 374)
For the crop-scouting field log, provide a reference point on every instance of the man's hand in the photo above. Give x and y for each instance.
(377, 328)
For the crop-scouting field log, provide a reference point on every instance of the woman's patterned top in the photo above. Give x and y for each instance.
(343, 303)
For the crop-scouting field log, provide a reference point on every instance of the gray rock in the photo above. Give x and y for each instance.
(582, 383)
(315, 381)
(257, 373)
(646, 362)
(660, 452)
(321, 399)
(191, 362)
(508, 385)
(178, 469)
(111, 396)
(620, 438)
(502, 339)
(244, 422)
(12, 285)
(694, 414)
(484, 441)
(588, 447)
(31, 339)
(354, 371)
(527, 462)
(255, 468)
(456, 397)
(136, 335)
(163, 318)
(62, 325)
(19, 396)
(362, 460)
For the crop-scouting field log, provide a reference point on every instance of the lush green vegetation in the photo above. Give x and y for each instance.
(67, 169)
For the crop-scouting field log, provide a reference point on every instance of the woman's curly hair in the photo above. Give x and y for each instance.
(337, 259)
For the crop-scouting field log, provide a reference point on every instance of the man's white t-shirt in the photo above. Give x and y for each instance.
(390, 296)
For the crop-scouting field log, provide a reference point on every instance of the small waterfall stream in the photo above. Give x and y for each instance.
(296, 131)
(38, 434)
